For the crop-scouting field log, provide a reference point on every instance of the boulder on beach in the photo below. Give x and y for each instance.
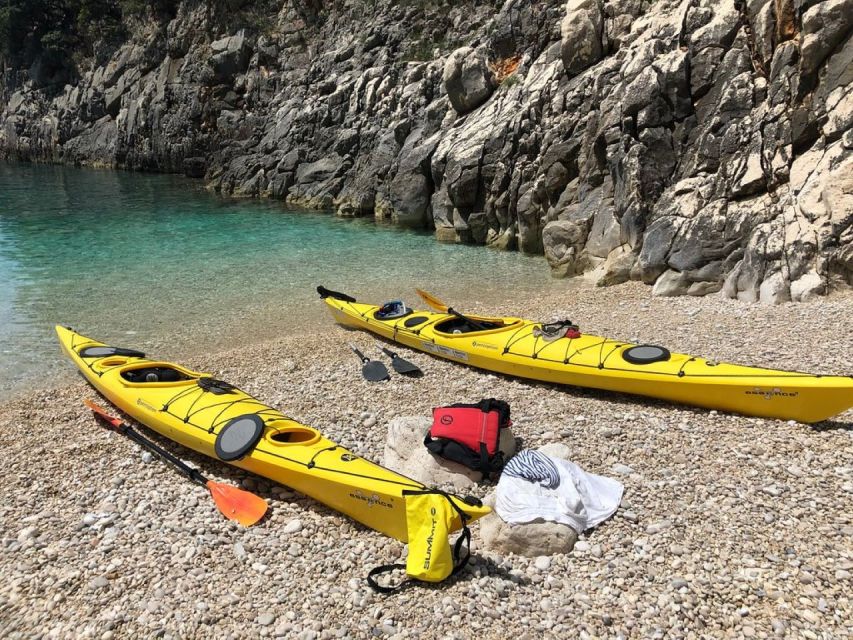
(405, 453)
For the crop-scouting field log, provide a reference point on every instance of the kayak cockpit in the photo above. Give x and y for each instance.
(475, 326)
(159, 374)
(154, 374)
(288, 432)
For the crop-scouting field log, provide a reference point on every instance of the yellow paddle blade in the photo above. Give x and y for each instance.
(432, 301)
(236, 504)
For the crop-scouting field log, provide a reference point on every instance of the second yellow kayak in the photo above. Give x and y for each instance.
(517, 347)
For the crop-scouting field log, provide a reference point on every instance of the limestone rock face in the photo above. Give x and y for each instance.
(230, 55)
(405, 453)
(699, 147)
(467, 79)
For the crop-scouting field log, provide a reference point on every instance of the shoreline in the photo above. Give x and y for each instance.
(729, 525)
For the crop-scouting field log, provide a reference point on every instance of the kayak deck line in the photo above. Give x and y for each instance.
(515, 348)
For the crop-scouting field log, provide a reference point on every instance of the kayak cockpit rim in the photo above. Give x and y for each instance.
(288, 432)
(504, 324)
(188, 377)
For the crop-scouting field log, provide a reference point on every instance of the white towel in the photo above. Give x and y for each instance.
(581, 500)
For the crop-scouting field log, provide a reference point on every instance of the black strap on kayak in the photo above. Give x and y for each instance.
(328, 293)
(216, 387)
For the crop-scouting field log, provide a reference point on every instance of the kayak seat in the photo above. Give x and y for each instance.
(460, 325)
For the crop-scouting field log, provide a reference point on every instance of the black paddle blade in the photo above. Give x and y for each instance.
(401, 365)
(373, 370)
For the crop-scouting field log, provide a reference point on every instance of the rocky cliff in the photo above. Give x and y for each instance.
(696, 145)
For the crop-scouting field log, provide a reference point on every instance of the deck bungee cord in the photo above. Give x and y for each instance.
(219, 422)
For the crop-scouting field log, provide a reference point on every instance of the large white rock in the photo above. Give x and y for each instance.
(405, 453)
(808, 287)
(539, 538)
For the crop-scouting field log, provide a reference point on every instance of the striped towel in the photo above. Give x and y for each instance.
(534, 466)
(535, 486)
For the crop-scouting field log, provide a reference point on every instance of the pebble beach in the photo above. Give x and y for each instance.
(730, 526)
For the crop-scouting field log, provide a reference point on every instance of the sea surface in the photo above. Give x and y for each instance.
(157, 263)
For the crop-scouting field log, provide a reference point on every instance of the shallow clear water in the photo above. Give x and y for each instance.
(156, 262)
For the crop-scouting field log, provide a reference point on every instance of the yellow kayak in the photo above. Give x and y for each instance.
(220, 421)
(518, 347)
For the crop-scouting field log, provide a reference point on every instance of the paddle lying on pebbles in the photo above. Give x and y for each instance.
(235, 504)
(372, 370)
(401, 365)
(438, 305)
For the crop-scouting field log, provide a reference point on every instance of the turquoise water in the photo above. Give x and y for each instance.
(158, 263)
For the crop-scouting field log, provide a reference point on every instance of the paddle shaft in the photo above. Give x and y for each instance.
(192, 474)
(473, 323)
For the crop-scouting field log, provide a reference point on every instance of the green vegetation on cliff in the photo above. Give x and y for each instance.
(46, 36)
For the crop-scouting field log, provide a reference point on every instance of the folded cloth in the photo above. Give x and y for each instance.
(527, 491)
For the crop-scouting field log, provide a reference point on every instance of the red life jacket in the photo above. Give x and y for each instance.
(470, 434)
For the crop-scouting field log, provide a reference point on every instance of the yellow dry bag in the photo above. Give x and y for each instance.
(430, 517)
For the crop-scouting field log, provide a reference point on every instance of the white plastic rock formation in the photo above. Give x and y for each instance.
(405, 453)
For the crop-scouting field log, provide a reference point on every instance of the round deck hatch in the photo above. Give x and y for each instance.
(238, 437)
(645, 354)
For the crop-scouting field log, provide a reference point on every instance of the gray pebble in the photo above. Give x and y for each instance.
(99, 583)
(293, 526)
(657, 527)
(27, 533)
(265, 619)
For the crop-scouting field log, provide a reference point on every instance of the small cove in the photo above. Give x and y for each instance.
(158, 263)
